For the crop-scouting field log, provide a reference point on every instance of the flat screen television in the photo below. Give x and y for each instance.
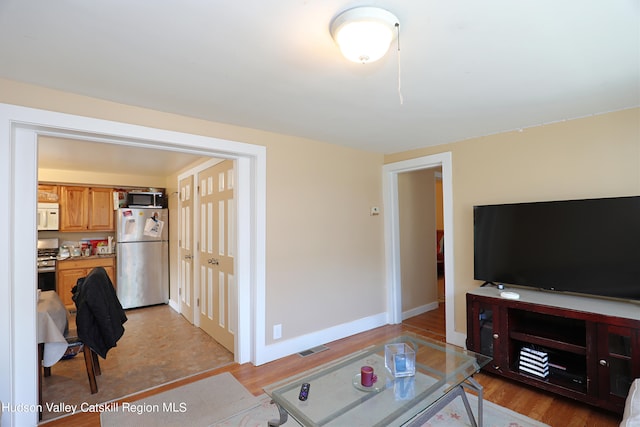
(589, 246)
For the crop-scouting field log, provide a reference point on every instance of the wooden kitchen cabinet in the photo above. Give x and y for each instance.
(74, 208)
(69, 271)
(86, 209)
(100, 209)
(66, 280)
(48, 193)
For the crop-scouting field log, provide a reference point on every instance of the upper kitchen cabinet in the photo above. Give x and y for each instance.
(74, 208)
(85, 208)
(48, 193)
(101, 209)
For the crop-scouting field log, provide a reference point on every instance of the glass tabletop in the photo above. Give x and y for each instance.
(337, 396)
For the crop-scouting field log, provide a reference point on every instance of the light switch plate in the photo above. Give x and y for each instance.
(277, 331)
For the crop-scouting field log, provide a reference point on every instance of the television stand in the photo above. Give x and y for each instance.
(592, 345)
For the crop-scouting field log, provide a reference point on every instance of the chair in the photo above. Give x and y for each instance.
(91, 362)
(99, 320)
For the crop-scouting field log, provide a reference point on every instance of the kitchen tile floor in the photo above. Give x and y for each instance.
(158, 346)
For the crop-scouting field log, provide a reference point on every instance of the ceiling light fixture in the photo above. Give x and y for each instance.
(364, 33)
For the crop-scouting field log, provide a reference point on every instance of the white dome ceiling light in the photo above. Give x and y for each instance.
(364, 33)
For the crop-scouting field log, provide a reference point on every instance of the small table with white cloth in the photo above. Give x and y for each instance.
(53, 325)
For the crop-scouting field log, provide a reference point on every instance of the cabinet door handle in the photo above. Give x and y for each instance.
(604, 362)
(496, 336)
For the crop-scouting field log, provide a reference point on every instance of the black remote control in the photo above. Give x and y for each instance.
(304, 391)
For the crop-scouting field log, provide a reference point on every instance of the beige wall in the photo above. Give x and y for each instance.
(592, 157)
(417, 218)
(322, 244)
(325, 254)
(323, 249)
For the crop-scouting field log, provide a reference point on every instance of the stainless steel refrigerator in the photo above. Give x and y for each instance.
(142, 251)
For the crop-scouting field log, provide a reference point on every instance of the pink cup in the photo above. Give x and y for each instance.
(367, 377)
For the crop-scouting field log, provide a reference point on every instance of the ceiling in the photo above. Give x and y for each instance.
(71, 154)
(466, 68)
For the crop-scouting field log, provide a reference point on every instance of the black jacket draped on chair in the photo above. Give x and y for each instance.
(99, 316)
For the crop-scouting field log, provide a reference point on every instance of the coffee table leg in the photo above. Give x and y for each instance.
(467, 406)
(284, 416)
(427, 414)
(477, 387)
(448, 398)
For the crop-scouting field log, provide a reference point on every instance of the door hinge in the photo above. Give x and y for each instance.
(197, 302)
(179, 291)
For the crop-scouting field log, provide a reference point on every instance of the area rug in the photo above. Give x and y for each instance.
(201, 403)
(221, 401)
(452, 415)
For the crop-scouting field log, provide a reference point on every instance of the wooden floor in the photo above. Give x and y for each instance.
(545, 407)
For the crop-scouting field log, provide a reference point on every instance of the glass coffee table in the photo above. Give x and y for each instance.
(336, 396)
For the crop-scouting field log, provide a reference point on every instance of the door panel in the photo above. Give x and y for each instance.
(217, 250)
(185, 254)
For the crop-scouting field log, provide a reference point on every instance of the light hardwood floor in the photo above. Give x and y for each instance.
(545, 407)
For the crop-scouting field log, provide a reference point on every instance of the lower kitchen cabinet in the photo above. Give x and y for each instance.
(69, 271)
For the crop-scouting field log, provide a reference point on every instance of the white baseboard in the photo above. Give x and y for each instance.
(453, 337)
(419, 310)
(174, 305)
(457, 338)
(295, 345)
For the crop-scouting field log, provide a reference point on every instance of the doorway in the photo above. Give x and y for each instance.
(440, 238)
(18, 251)
(207, 249)
(420, 226)
(392, 236)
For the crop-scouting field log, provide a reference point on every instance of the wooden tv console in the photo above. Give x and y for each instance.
(593, 345)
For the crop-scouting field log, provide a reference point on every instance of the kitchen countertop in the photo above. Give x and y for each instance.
(81, 258)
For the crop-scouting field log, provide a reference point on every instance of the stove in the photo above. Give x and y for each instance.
(47, 253)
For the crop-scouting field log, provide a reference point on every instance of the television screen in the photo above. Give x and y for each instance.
(587, 246)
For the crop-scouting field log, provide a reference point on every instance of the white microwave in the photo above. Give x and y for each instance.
(48, 216)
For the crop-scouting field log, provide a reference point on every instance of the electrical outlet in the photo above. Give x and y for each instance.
(277, 331)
